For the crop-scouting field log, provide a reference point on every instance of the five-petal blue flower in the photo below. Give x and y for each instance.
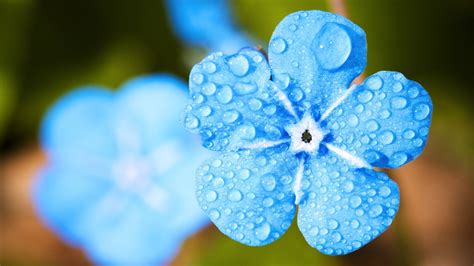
(120, 178)
(293, 132)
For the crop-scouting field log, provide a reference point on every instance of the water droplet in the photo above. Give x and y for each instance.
(214, 214)
(262, 232)
(197, 78)
(413, 92)
(397, 87)
(421, 111)
(296, 95)
(375, 211)
(239, 65)
(355, 201)
(355, 224)
(235, 195)
(418, 142)
(384, 191)
(398, 102)
(283, 80)
(255, 104)
(386, 137)
(332, 46)
(348, 186)
(205, 110)
(336, 237)
(191, 121)
(268, 182)
(243, 88)
(269, 109)
(257, 58)
(409, 134)
(244, 173)
(211, 196)
(230, 116)
(293, 27)
(224, 95)
(365, 96)
(352, 120)
(372, 125)
(314, 231)
(209, 67)
(384, 114)
(278, 45)
(286, 179)
(209, 88)
(216, 163)
(333, 224)
(398, 159)
(246, 132)
(267, 202)
(218, 182)
(374, 83)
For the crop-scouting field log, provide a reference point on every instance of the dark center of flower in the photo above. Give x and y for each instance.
(306, 137)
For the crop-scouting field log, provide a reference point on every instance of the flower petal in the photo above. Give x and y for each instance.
(385, 120)
(62, 196)
(248, 194)
(314, 56)
(234, 103)
(148, 111)
(346, 207)
(79, 128)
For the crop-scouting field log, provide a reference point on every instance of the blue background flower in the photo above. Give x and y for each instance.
(208, 24)
(120, 177)
(257, 113)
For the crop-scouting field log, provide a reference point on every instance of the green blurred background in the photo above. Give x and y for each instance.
(48, 47)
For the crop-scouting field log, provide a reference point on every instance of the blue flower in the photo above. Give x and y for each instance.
(293, 132)
(206, 23)
(120, 179)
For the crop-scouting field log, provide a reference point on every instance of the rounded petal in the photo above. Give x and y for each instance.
(346, 208)
(233, 101)
(195, 23)
(148, 111)
(62, 196)
(315, 55)
(78, 129)
(385, 120)
(248, 194)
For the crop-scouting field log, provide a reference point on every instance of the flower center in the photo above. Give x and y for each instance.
(306, 135)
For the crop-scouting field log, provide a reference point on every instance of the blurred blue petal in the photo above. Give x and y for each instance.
(248, 194)
(233, 102)
(385, 120)
(121, 178)
(208, 24)
(346, 207)
(316, 55)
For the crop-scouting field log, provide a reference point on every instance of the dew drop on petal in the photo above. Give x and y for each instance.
(211, 196)
(197, 78)
(355, 201)
(365, 96)
(225, 94)
(332, 46)
(239, 65)
(268, 182)
(374, 83)
(375, 211)
(235, 195)
(421, 111)
(263, 232)
(278, 45)
(398, 102)
(386, 137)
(214, 214)
(209, 67)
(209, 88)
(191, 121)
(230, 116)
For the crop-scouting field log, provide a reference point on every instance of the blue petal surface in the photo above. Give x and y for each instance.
(385, 120)
(248, 194)
(314, 56)
(207, 23)
(233, 102)
(345, 208)
(79, 128)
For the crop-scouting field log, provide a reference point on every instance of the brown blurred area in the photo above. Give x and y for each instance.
(434, 225)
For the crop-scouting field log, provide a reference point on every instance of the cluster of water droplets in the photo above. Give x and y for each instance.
(346, 208)
(248, 194)
(233, 101)
(385, 120)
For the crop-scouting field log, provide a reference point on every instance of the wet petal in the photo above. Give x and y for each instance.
(233, 103)
(385, 120)
(345, 208)
(248, 194)
(314, 56)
